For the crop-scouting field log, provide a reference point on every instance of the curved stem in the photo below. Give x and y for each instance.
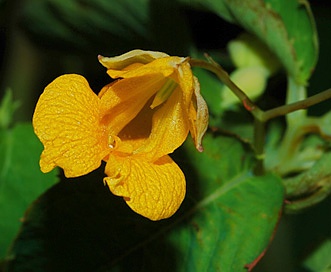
(259, 125)
(261, 115)
(258, 143)
(295, 92)
(225, 78)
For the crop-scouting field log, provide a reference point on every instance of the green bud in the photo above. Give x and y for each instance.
(247, 50)
(252, 80)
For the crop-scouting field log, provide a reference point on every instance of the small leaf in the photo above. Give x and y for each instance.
(319, 260)
(7, 109)
(309, 187)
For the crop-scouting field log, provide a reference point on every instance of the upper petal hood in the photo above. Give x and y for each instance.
(135, 56)
(168, 129)
(122, 101)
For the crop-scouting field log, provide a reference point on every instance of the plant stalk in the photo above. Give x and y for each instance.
(260, 116)
(258, 143)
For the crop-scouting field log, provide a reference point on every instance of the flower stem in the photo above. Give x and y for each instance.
(299, 105)
(258, 143)
(260, 116)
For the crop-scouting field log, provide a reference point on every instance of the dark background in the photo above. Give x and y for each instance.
(30, 60)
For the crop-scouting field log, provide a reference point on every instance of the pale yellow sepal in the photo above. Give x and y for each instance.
(199, 116)
(168, 67)
(126, 59)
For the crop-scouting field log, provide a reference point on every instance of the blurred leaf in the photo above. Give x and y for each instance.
(80, 24)
(247, 51)
(225, 222)
(324, 125)
(304, 144)
(286, 26)
(319, 260)
(21, 180)
(7, 109)
(309, 187)
(251, 79)
(106, 26)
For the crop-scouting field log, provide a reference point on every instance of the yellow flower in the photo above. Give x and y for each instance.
(132, 124)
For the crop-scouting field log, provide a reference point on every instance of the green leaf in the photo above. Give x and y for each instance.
(234, 228)
(319, 260)
(225, 222)
(21, 180)
(304, 143)
(286, 26)
(309, 187)
(302, 37)
(234, 218)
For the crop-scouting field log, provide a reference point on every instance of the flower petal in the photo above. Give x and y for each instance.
(170, 127)
(126, 59)
(67, 122)
(184, 77)
(165, 66)
(154, 190)
(124, 99)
